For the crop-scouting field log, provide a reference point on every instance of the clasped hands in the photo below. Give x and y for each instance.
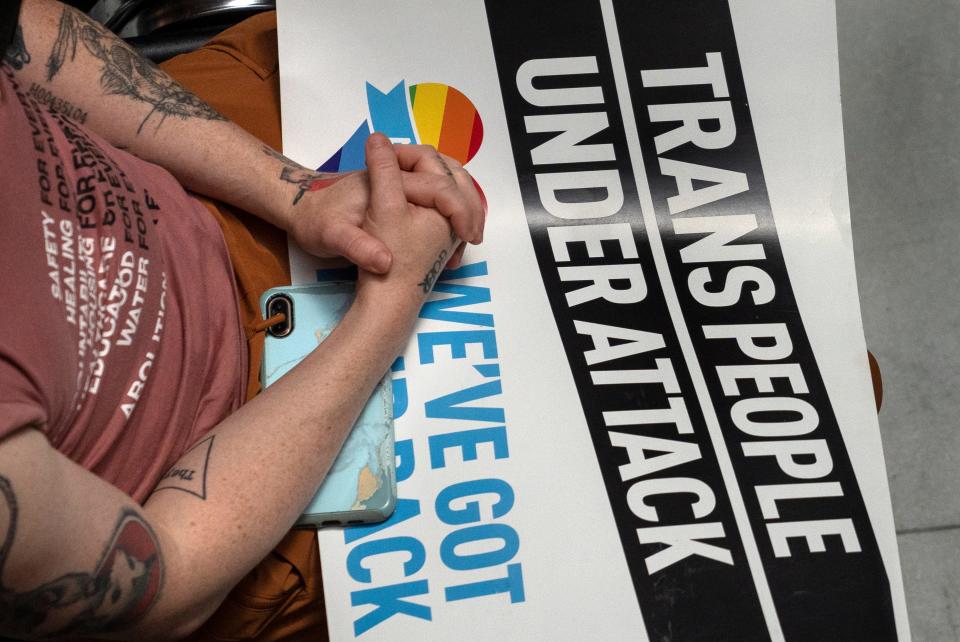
(408, 208)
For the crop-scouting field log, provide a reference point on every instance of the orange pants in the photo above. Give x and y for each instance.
(236, 72)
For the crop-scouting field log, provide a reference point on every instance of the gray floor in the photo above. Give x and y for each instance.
(900, 78)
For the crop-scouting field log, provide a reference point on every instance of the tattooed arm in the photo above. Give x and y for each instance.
(78, 557)
(90, 74)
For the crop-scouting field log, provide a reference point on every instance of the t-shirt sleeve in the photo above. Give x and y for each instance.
(20, 406)
(9, 14)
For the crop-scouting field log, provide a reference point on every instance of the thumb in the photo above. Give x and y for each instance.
(359, 247)
(387, 200)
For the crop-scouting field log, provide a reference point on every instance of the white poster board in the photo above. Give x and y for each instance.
(642, 409)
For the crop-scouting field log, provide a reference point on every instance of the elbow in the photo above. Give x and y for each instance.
(190, 623)
(183, 629)
(179, 623)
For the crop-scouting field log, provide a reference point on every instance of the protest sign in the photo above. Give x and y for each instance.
(641, 409)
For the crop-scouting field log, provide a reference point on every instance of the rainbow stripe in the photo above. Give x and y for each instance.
(446, 119)
(442, 116)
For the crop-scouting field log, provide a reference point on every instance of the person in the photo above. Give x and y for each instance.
(137, 486)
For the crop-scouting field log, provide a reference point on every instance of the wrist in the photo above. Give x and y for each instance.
(302, 201)
(387, 314)
(289, 183)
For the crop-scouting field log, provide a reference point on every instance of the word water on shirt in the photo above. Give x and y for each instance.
(97, 241)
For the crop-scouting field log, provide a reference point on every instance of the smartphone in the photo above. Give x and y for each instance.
(361, 487)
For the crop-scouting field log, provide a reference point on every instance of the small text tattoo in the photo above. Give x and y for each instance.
(57, 104)
(17, 55)
(124, 72)
(189, 475)
(113, 596)
(431, 276)
(185, 474)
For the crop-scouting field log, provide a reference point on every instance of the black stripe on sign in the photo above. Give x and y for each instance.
(667, 494)
(802, 496)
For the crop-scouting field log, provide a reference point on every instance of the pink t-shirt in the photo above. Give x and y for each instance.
(119, 336)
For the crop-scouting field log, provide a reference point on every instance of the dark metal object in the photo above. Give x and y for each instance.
(160, 47)
(82, 5)
(123, 14)
(156, 16)
(160, 30)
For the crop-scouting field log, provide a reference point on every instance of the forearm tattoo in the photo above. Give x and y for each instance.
(307, 180)
(433, 273)
(124, 72)
(116, 594)
(16, 54)
(46, 97)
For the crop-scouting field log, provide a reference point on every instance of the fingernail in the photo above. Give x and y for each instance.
(379, 140)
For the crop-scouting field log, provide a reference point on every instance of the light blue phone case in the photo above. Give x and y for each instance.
(361, 486)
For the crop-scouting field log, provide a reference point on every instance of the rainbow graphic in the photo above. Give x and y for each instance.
(441, 116)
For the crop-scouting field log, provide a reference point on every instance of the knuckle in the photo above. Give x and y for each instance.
(380, 162)
(439, 182)
(450, 201)
(451, 162)
(379, 156)
(355, 244)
